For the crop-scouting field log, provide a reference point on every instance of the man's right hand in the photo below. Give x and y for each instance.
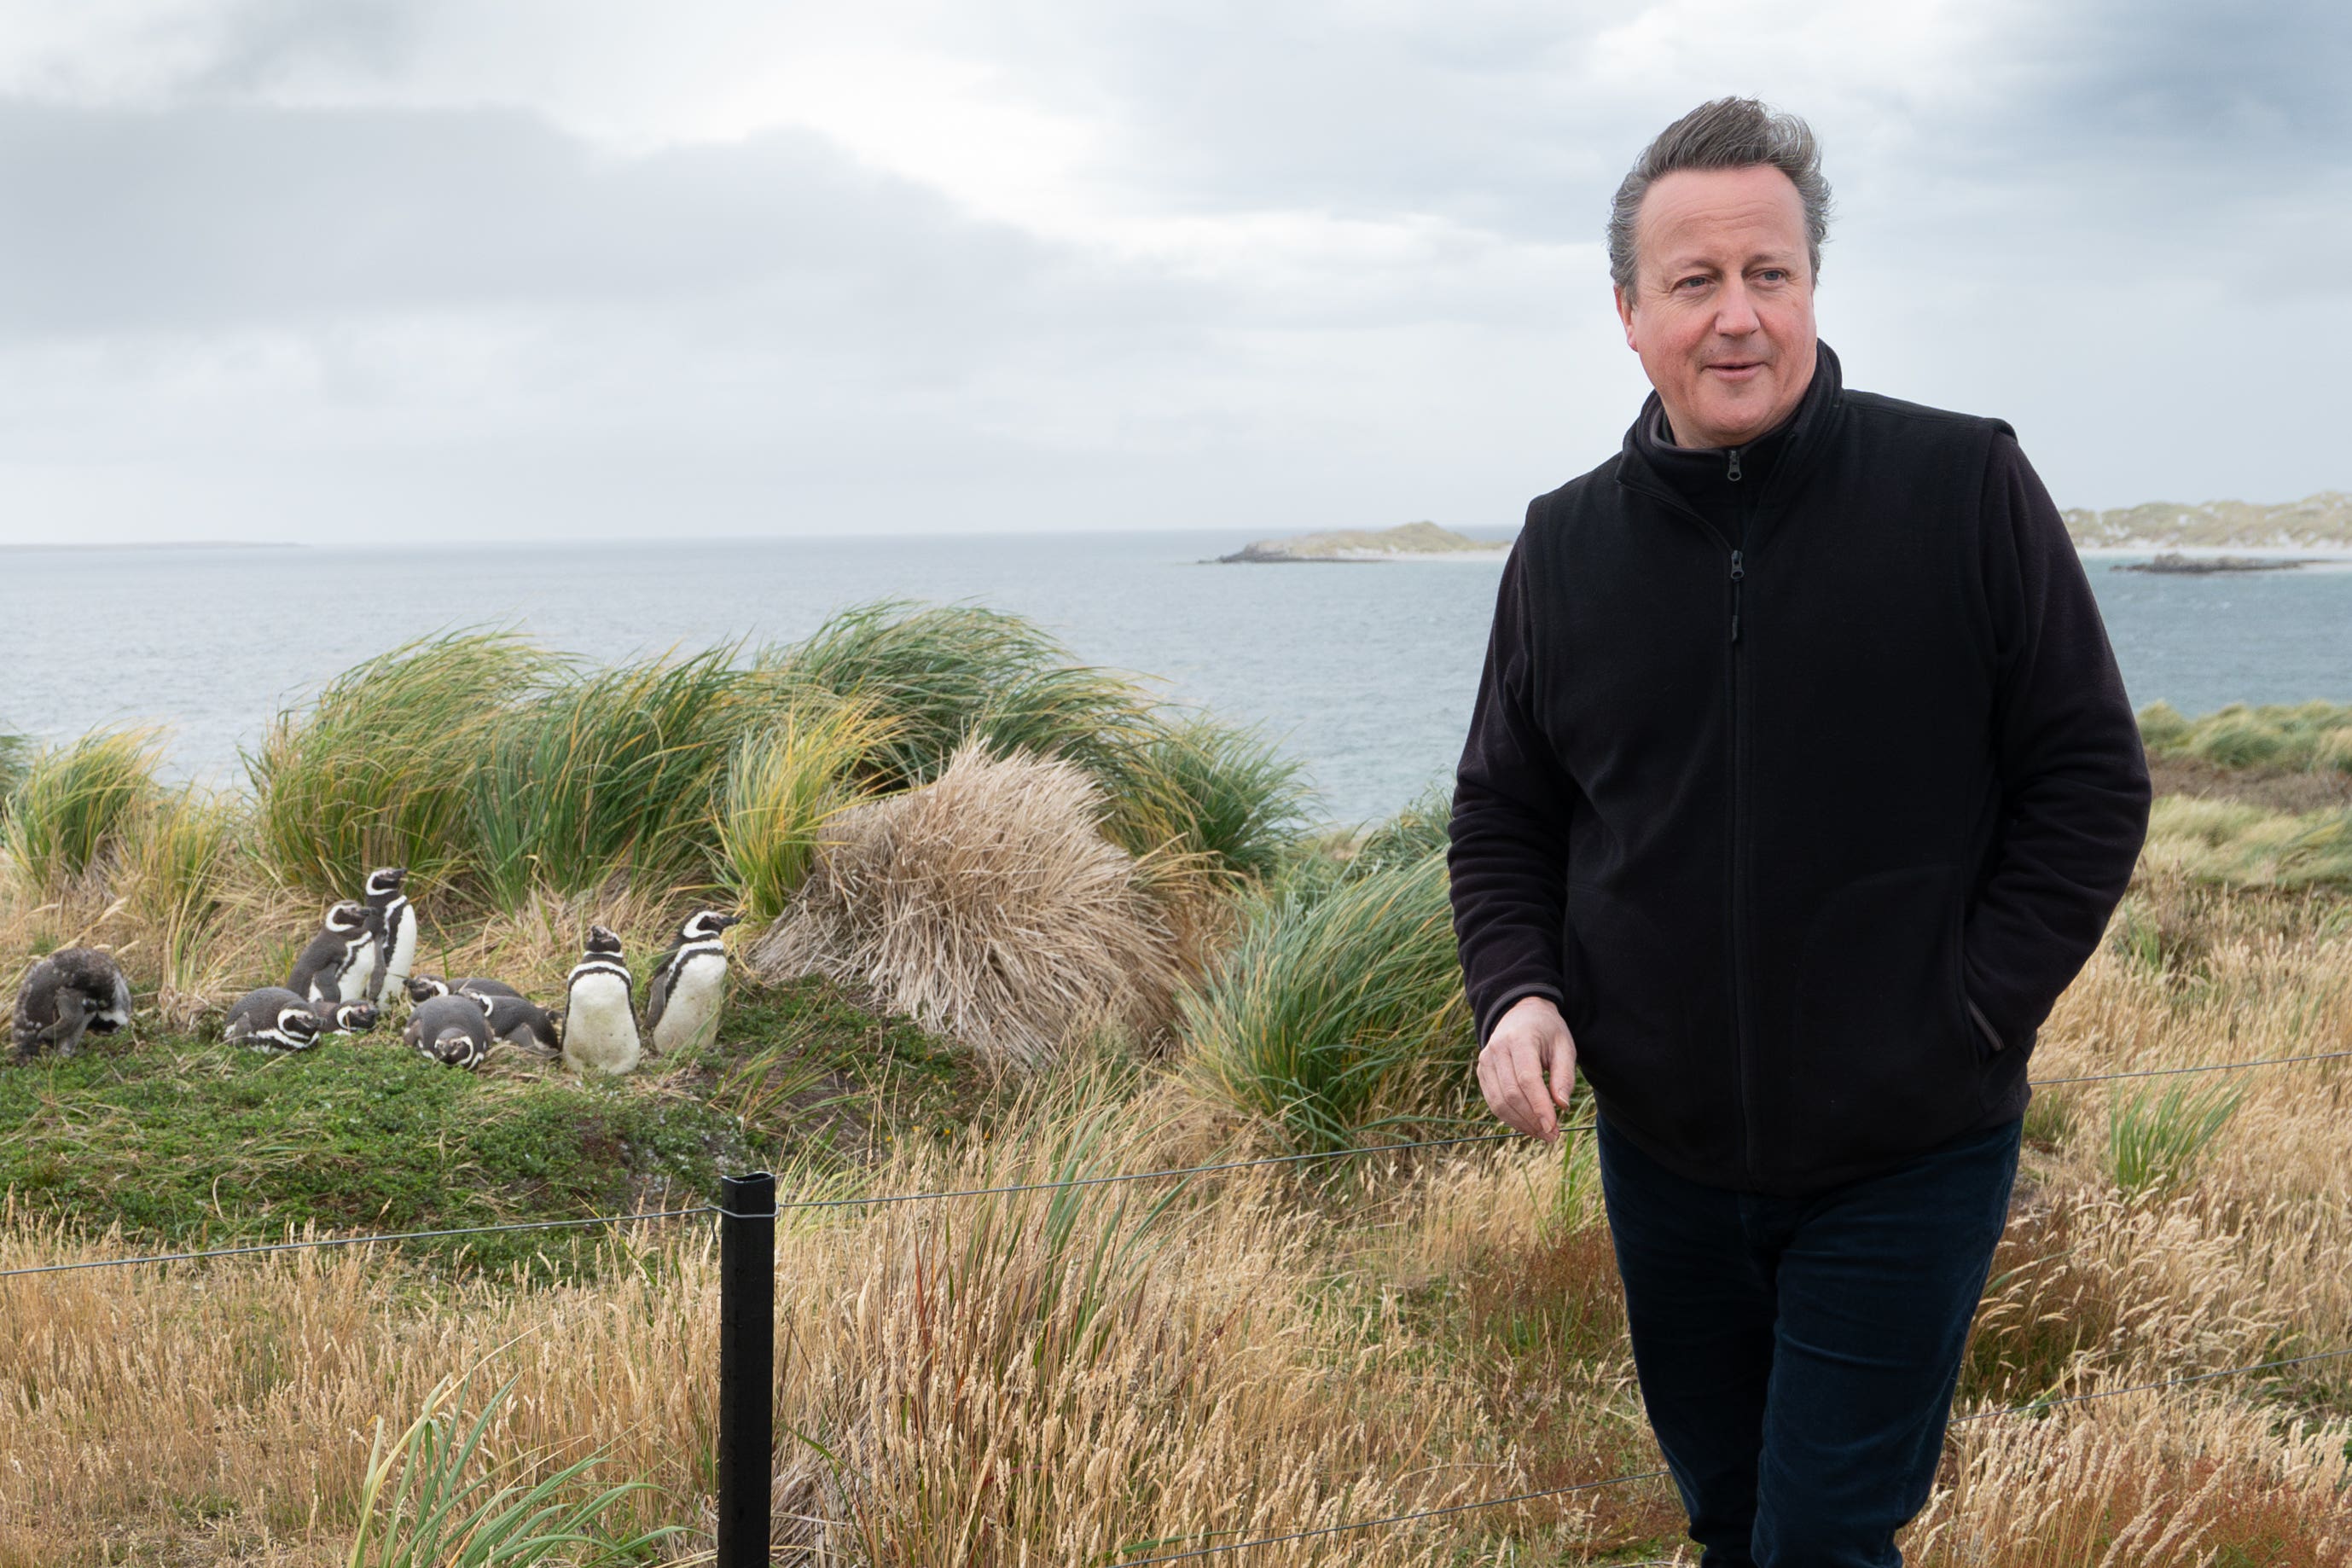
(1529, 1066)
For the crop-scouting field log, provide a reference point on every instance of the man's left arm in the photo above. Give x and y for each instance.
(2074, 778)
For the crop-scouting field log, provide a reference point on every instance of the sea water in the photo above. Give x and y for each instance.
(1363, 673)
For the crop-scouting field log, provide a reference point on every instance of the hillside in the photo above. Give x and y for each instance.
(2321, 522)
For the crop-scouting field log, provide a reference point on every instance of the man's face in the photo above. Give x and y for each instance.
(1721, 310)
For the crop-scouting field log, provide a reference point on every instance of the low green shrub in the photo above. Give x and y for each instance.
(1334, 1019)
(74, 804)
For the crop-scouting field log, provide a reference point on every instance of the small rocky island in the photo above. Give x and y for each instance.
(1411, 541)
(2172, 561)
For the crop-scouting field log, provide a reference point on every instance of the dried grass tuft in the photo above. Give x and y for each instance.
(989, 906)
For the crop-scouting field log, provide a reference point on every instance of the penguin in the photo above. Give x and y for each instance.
(518, 1021)
(454, 1030)
(683, 999)
(72, 991)
(347, 1017)
(344, 941)
(599, 1031)
(273, 1018)
(394, 919)
(424, 987)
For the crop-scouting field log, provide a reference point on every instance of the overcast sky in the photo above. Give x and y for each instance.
(301, 269)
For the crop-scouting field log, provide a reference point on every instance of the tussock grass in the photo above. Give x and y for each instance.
(1411, 835)
(948, 674)
(989, 906)
(784, 786)
(75, 803)
(609, 772)
(1214, 793)
(180, 867)
(2315, 736)
(1335, 1020)
(379, 770)
(15, 756)
(2245, 846)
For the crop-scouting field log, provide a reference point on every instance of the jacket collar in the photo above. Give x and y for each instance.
(1817, 414)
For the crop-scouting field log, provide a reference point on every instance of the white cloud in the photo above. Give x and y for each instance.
(574, 265)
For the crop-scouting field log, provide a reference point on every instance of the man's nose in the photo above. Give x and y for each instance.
(1735, 312)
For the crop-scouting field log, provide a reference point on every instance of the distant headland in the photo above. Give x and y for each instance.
(2188, 538)
(2321, 523)
(1408, 541)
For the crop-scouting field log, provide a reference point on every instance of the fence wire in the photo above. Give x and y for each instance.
(1061, 1185)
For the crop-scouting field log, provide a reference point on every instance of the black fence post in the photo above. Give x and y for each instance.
(747, 1366)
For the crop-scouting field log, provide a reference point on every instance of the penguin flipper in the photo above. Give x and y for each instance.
(656, 998)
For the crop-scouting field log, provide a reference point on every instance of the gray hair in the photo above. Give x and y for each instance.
(1726, 133)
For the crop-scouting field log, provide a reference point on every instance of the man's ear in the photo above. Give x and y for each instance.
(1625, 315)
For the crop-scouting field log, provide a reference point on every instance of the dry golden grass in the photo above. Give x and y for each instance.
(989, 906)
(1046, 1378)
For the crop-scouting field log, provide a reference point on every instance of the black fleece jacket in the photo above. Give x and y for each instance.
(1804, 826)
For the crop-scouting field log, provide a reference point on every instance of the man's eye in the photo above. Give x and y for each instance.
(1773, 275)
(1688, 281)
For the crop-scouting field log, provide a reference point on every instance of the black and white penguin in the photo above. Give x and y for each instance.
(424, 987)
(683, 999)
(345, 945)
(600, 1029)
(73, 990)
(347, 1017)
(273, 1018)
(519, 1021)
(454, 1030)
(394, 919)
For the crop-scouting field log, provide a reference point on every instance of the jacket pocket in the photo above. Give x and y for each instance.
(1883, 1057)
(1629, 1011)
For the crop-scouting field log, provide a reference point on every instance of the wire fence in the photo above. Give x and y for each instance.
(765, 1217)
(1062, 1184)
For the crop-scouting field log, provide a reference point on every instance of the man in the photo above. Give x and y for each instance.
(1800, 785)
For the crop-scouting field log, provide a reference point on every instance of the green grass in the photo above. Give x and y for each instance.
(74, 804)
(2277, 737)
(186, 1143)
(1214, 790)
(15, 756)
(942, 674)
(2242, 844)
(1340, 1018)
(379, 770)
(494, 769)
(2155, 1138)
(433, 1498)
(615, 769)
(783, 784)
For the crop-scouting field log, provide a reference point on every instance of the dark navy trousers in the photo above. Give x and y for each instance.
(1798, 1355)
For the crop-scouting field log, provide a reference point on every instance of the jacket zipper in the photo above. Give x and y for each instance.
(1738, 886)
